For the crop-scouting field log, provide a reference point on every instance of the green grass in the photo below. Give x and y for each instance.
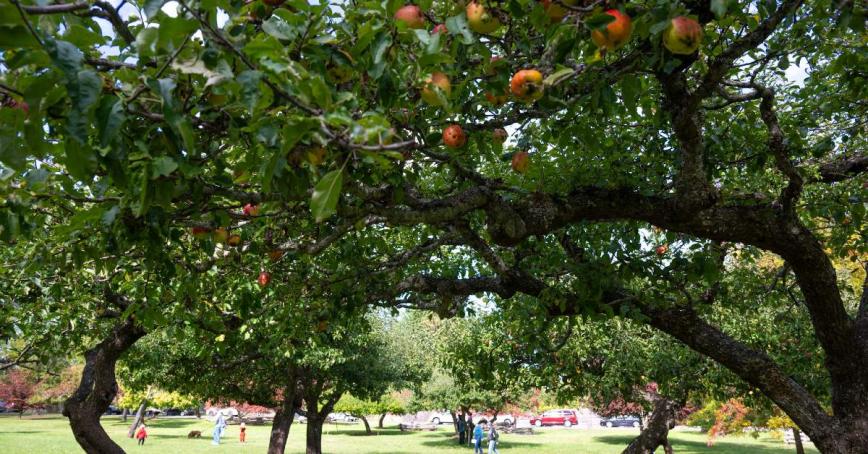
(52, 435)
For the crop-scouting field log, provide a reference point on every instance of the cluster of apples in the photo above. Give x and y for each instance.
(682, 36)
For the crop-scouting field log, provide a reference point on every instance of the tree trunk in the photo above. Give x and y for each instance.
(797, 436)
(656, 432)
(140, 416)
(382, 418)
(367, 426)
(98, 388)
(667, 447)
(314, 433)
(281, 425)
(198, 413)
(125, 413)
(454, 420)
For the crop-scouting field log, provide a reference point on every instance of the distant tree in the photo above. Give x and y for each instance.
(17, 387)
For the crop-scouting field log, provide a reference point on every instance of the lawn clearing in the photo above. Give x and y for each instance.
(169, 435)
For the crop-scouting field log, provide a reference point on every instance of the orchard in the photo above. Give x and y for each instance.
(290, 185)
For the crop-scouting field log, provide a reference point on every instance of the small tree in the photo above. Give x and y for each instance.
(16, 389)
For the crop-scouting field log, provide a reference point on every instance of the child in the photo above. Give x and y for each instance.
(141, 434)
(243, 434)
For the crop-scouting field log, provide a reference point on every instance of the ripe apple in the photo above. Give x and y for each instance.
(410, 15)
(520, 161)
(264, 278)
(440, 28)
(251, 210)
(200, 233)
(662, 249)
(527, 85)
(496, 100)
(555, 11)
(439, 80)
(453, 136)
(234, 240)
(500, 135)
(480, 20)
(683, 36)
(616, 33)
(221, 235)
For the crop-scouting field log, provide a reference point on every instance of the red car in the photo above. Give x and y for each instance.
(564, 418)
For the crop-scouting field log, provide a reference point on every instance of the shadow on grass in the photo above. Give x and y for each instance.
(691, 446)
(444, 441)
(164, 423)
(362, 433)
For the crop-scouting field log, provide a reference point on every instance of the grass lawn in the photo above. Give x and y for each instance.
(52, 435)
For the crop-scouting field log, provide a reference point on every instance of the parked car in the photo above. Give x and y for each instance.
(172, 412)
(566, 418)
(502, 418)
(112, 410)
(188, 413)
(621, 421)
(301, 419)
(440, 417)
(342, 417)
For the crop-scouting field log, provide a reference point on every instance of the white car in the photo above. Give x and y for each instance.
(342, 417)
(440, 417)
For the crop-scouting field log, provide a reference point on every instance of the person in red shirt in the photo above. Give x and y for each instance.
(243, 434)
(141, 434)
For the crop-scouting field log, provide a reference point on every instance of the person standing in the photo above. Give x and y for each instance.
(493, 438)
(141, 434)
(219, 426)
(477, 438)
(461, 428)
(242, 436)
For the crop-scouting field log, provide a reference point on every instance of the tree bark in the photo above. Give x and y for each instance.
(125, 414)
(281, 425)
(367, 426)
(382, 418)
(140, 416)
(656, 432)
(313, 441)
(797, 437)
(98, 388)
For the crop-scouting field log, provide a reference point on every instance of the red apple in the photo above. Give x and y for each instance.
(410, 15)
(520, 161)
(200, 232)
(683, 36)
(662, 249)
(264, 278)
(453, 136)
(527, 85)
(500, 135)
(439, 80)
(440, 28)
(251, 210)
(616, 33)
(234, 240)
(480, 20)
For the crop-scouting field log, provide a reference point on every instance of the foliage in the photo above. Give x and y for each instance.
(17, 387)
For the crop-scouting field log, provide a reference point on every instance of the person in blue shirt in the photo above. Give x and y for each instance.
(477, 438)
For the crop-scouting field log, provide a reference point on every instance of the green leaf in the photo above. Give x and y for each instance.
(631, 88)
(250, 91)
(599, 21)
(558, 76)
(279, 28)
(718, 7)
(109, 118)
(16, 37)
(166, 87)
(152, 7)
(324, 201)
(457, 25)
(163, 167)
